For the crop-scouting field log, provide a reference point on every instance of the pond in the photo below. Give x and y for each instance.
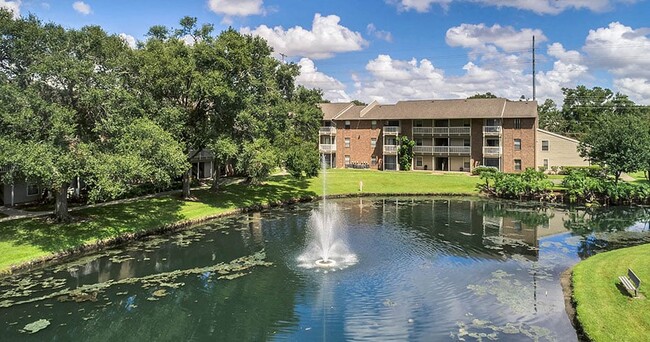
(425, 269)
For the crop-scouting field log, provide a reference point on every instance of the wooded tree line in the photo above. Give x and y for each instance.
(613, 130)
(82, 103)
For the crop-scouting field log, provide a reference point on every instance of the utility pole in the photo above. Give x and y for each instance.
(533, 68)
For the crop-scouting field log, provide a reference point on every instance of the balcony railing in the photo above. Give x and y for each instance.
(443, 150)
(390, 149)
(442, 130)
(329, 130)
(491, 130)
(4, 169)
(327, 148)
(492, 150)
(392, 130)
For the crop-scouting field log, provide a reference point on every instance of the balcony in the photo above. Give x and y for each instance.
(390, 149)
(492, 150)
(4, 169)
(329, 130)
(391, 130)
(491, 130)
(442, 150)
(327, 148)
(442, 131)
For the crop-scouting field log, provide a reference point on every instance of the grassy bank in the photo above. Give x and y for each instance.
(605, 310)
(29, 239)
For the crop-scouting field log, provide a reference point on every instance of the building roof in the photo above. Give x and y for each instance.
(432, 109)
(539, 130)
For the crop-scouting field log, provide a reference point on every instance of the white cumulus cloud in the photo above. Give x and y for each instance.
(240, 8)
(129, 40)
(371, 29)
(620, 49)
(551, 7)
(325, 39)
(82, 7)
(479, 36)
(310, 77)
(11, 6)
(638, 89)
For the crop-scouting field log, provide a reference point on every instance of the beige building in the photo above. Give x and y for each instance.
(557, 150)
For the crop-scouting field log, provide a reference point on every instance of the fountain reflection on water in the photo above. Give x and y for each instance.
(327, 247)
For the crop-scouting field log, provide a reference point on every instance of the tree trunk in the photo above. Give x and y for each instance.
(61, 213)
(187, 179)
(216, 174)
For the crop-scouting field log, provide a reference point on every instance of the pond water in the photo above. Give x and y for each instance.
(426, 269)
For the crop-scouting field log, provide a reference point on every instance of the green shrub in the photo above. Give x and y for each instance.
(592, 170)
(482, 169)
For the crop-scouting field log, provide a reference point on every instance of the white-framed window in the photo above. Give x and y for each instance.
(545, 145)
(517, 164)
(347, 160)
(545, 164)
(347, 124)
(373, 124)
(517, 144)
(418, 161)
(373, 160)
(373, 142)
(33, 190)
(347, 142)
(517, 123)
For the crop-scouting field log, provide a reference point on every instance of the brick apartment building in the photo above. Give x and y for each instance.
(450, 135)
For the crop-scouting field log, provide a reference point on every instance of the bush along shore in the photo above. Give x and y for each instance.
(589, 185)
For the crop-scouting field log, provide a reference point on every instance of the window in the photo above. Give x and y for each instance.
(347, 142)
(517, 164)
(33, 190)
(545, 164)
(347, 124)
(517, 144)
(373, 142)
(418, 142)
(418, 123)
(491, 162)
(544, 145)
(466, 143)
(373, 124)
(373, 160)
(517, 123)
(466, 165)
(347, 160)
(418, 161)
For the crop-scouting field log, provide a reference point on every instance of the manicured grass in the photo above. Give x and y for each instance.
(639, 177)
(28, 239)
(605, 310)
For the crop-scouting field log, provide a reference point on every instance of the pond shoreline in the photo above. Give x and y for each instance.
(99, 245)
(566, 281)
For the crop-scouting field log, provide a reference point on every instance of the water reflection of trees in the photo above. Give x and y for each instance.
(606, 228)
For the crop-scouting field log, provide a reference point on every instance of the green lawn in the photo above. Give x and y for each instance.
(639, 176)
(28, 239)
(604, 309)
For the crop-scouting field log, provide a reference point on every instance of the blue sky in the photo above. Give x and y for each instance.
(407, 49)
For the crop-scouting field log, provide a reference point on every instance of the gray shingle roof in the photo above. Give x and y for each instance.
(434, 109)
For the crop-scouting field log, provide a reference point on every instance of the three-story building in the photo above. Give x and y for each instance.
(449, 135)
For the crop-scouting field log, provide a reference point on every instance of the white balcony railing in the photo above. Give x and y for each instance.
(393, 130)
(444, 150)
(442, 130)
(422, 130)
(329, 130)
(492, 150)
(390, 149)
(460, 130)
(327, 148)
(490, 130)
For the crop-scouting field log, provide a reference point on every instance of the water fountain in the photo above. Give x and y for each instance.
(327, 247)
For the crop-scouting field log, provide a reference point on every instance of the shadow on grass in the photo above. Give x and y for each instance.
(106, 222)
